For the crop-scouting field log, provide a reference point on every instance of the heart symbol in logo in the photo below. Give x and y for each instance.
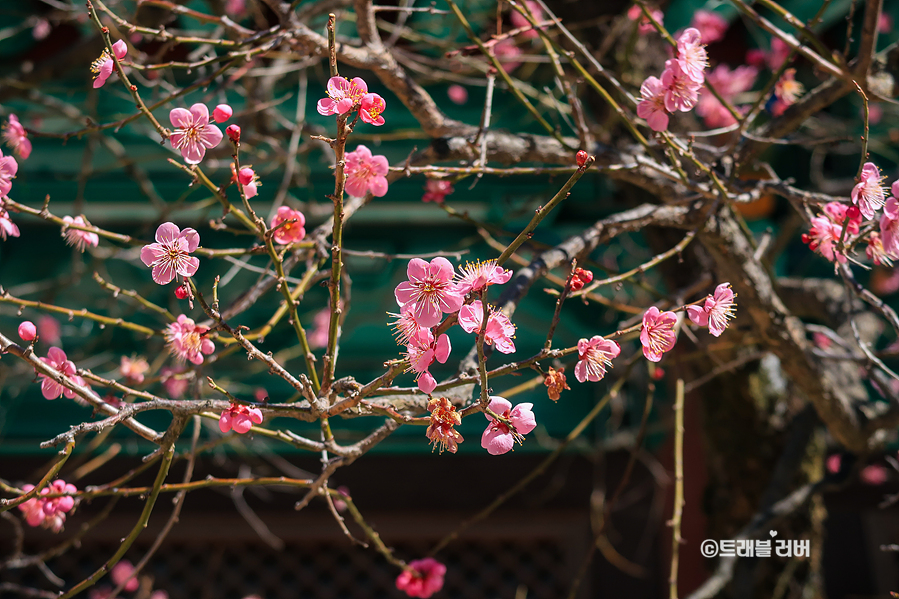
(773, 533)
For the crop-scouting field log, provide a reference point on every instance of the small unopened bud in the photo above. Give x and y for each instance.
(246, 175)
(581, 158)
(233, 132)
(181, 292)
(222, 113)
(27, 331)
(854, 213)
(576, 284)
(584, 275)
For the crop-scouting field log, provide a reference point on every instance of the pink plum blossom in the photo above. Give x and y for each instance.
(885, 23)
(249, 181)
(103, 66)
(170, 255)
(868, 194)
(7, 227)
(193, 132)
(594, 356)
(711, 25)
(477, 276)
(436, 190)
(343, 95)
(498, 437)
(508, 53)
(889, 226)
(370, 109)
(717, 309)
(123, 574)
(222, 113)
(50, 389)
(27, 331)
(837, 212)
(49, 513)
(457, 94)
(729, 83)
(366, 173)
(652, 106)
(876, 251)
(291, 231)
(320, 323)
(235, 7)
(8, 169)
(422, 350)
(172, 381)
(240, 418)
(657, 334)
(425, 578)
(500, 330)
(823, 237)
(405, 326)
(78, 238)
(681, 91)
(133, 369)
(186, 340)
(691, 54)
(635, 13)
(430, 289)
(16, 137)
(778, 54)
(233, 132)
(787, 88)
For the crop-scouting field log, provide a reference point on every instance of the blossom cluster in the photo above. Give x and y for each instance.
(678, 88)
(47, 512)
(347, 95)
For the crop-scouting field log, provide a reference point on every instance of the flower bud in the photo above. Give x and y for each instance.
(584, 275)
(233, 132)
(27, 331)
(576, 284)
(581, 158)
(180, 292)
(854, 213)
(246, 175)
(222, 113)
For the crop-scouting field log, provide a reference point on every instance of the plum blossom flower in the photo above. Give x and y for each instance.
(123, 574)
(406, 326)
(7, 227)
(423, 580)
(555, 383)
(343, 95)
(186, 340)
(876, 252)
(657, 334)
(711, 25)
(222, 113)
(193, 132)
(717, 309)
(27, 331)
(48, 328)
(57, 359)
(291, 231)
(430, 289)
(103, 66)
(320, 323)
(249, 181)
(498, 437)
(436, 190)
(134, 369)
(594, 356)
(823, 237)
(691, 54)
(16, 137)
(889, 226)
(49, 513)
(500, 330)
(681, 91)
(78, 238)
(635, 13)
(421, 352)
(366, 173)
(868, 194)
(8, 169)
(507, 53)
(240, 418)
(477, 276)
(170, 255)
(787, 88)
(729, 83)
(370, 108)
(443, 418)
(838, 212)
(652, 106)
(172, 381)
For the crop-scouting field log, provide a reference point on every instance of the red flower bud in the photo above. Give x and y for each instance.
(581, 158)
(576, 284)
(854, 213)
(233, 132)
(584, 275)
(180, 292)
